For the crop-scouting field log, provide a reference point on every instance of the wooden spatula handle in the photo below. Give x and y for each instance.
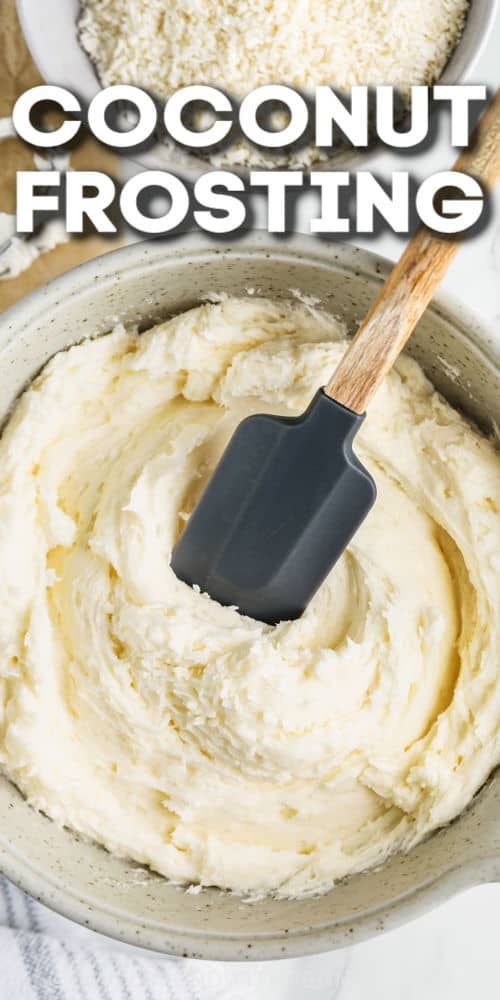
(411, 284)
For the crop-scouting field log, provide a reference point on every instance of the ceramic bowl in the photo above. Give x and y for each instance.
(61, 60)
(143, 283)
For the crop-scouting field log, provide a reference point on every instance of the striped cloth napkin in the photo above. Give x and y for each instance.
(45, 957)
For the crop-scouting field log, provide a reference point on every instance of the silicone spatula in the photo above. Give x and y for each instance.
(289, 493)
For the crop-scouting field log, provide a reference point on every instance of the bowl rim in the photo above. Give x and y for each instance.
(214, 946)
(324, 253)
(116, 924)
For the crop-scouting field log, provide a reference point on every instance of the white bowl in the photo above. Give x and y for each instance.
(142, 283)
(61, 60)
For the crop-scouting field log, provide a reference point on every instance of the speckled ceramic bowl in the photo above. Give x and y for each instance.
(143, 283)
(61, 60)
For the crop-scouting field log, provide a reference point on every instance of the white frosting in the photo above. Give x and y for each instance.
(215, 748)
(6, 129)
(16, 253)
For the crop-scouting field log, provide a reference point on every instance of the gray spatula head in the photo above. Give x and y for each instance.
(283, 503)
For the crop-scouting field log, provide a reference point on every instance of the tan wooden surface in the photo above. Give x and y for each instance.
(17, 74)
(411, 285)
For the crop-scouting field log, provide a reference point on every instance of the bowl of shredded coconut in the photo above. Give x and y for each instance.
(163, 45)
(177, 774)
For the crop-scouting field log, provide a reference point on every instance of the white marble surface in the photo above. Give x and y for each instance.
(452, 952)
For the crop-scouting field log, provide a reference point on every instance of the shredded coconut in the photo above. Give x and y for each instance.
(162, 45)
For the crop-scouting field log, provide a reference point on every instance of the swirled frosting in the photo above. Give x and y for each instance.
(176, 732)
